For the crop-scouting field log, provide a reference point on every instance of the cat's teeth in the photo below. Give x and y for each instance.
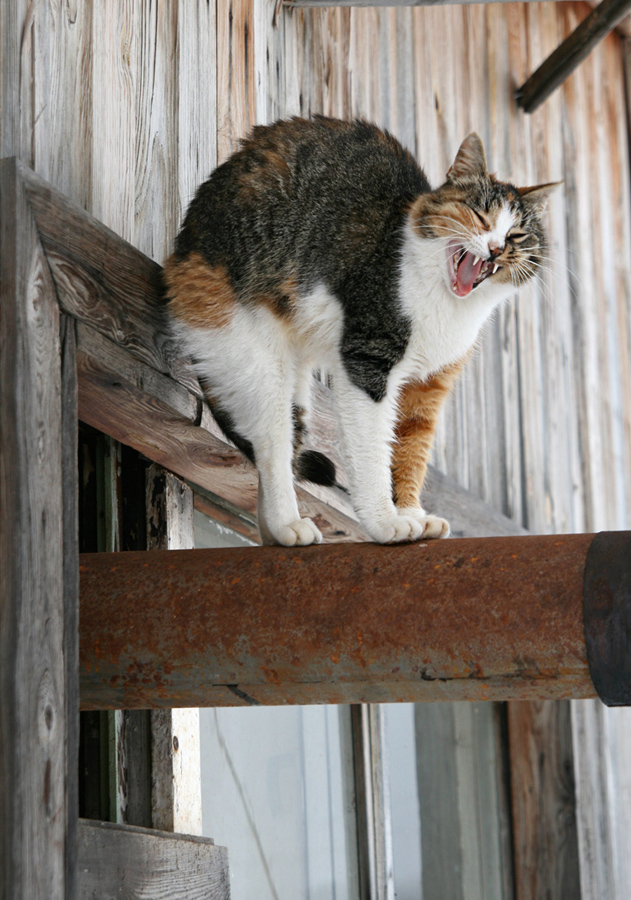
(476, 260)
(495, 268)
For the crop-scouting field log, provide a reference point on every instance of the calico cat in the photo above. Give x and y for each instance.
(320, 243)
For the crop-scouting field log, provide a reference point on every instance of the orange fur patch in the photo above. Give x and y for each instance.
(199, 294)
(419, 405)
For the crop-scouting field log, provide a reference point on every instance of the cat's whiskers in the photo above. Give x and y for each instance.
(449, 230)
(556, 264)
(547, 273)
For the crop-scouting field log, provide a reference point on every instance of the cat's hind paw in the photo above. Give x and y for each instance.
(433, 526)
(299, 533)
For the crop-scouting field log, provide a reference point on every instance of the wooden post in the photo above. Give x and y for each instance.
(176, 797)
(374, 836)
(37, 656)
(70, 490)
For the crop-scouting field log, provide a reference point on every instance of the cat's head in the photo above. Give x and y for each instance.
(490, 232)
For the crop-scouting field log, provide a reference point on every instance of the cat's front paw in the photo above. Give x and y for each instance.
(433, 526)
(299, 533)
(395, 530)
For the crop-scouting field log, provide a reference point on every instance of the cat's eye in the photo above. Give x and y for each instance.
(516, 237)
(483, 221)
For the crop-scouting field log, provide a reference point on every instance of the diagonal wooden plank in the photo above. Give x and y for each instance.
(568, 55)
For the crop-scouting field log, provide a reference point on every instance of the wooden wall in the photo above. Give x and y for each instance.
(126, 107)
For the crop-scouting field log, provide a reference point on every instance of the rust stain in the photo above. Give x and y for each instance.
(361, 615)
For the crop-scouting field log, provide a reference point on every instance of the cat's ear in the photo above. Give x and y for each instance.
(470, 161)
(537, 197)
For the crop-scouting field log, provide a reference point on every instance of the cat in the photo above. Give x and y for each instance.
(320, 244)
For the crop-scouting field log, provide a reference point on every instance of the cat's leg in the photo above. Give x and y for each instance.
(250, 368)
(367, 431)
(302, 403)
(278, 516)
(419, 406)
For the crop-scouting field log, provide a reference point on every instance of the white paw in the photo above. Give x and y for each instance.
(299, 533)
(395, 530)
(433, 526)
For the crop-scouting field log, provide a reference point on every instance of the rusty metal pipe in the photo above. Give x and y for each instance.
(473, 619)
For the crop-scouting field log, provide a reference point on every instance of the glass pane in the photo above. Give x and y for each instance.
(278, 789)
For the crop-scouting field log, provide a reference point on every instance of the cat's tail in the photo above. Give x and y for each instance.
(311, 465)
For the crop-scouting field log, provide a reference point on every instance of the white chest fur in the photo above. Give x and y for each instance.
(444, 326)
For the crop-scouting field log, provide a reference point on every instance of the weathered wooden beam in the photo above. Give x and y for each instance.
(126, 861)
(360, 3)
(37, 524)
(473, 619)
(562, 62)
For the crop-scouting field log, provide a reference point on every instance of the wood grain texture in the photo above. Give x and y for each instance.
(113, 124)
(196, 151)
(176, 799)
(157, 209)
(236, 97)
(542, 778)
(70, 495)
(124, 861)
(25, 81)
(34, 801)
(70, 97)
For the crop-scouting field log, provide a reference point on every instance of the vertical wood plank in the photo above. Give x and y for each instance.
(236, 95)
(24, 83)
(270, 63)
(114, 115)
(34, 762)
(196, 98)
(579, 264)
(544, 801)
(70, 499)
(618, 118)
(70, 99)
(175, 741)
(157, 211)
(460, 795)
(594, 823)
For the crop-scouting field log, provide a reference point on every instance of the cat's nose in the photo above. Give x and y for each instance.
(495, 249)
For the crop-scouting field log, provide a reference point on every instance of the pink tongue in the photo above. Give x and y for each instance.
(467, 274)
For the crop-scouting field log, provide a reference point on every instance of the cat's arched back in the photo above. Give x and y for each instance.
(320, 243)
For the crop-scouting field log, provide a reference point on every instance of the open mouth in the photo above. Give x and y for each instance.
(467, 271)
